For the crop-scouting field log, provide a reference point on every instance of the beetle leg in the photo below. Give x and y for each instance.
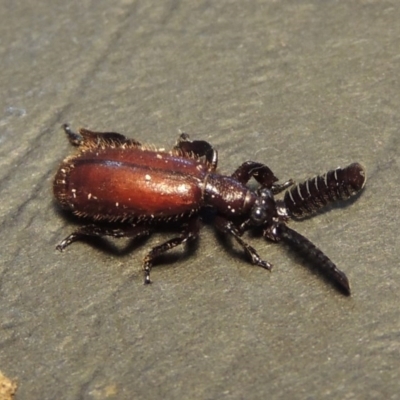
(280, 187)
(189, 233)
(74, 138)
(96, 138)
(262, 174)
(94, 230)
(227, 226)
(200, 148)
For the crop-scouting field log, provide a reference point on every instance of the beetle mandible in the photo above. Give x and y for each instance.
(125, 189)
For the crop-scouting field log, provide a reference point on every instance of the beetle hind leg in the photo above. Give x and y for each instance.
(200, 148)
(189, 233)
(86, 137)
(74, 138)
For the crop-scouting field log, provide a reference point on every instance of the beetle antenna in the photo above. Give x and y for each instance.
(310, 196)
(312, 251)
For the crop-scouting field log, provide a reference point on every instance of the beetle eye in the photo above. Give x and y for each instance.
(258, 215)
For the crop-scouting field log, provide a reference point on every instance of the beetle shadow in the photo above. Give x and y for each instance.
(103, 243)
(178, 254)
(110, 245)
(114, 247)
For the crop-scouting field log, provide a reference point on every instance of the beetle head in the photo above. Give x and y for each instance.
(264, 208)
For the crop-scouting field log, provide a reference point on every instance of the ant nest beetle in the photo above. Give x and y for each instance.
(126, 189)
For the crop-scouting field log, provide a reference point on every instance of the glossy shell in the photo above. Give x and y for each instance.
(119, 183)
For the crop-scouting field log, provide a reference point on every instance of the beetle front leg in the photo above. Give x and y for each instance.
(98, 231)
(280, 187)
(190, 232)
(262, 174)
(199, 148)
(227, 226)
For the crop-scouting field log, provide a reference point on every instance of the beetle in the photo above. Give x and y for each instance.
(126, 189)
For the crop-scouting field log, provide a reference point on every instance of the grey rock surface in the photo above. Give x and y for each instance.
(302, 86)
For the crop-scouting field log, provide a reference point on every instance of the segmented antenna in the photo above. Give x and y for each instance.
(338, 184)
(316, 255)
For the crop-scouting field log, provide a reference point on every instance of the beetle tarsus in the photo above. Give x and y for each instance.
(66, 242)
(73, 137)
(147, 280)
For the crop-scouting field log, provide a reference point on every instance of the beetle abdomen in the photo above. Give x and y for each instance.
(118, 184)
(338, 184)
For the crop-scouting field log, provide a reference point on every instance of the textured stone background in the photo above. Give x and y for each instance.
(302, 86)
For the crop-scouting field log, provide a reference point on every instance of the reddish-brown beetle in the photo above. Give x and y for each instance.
(125, 189)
